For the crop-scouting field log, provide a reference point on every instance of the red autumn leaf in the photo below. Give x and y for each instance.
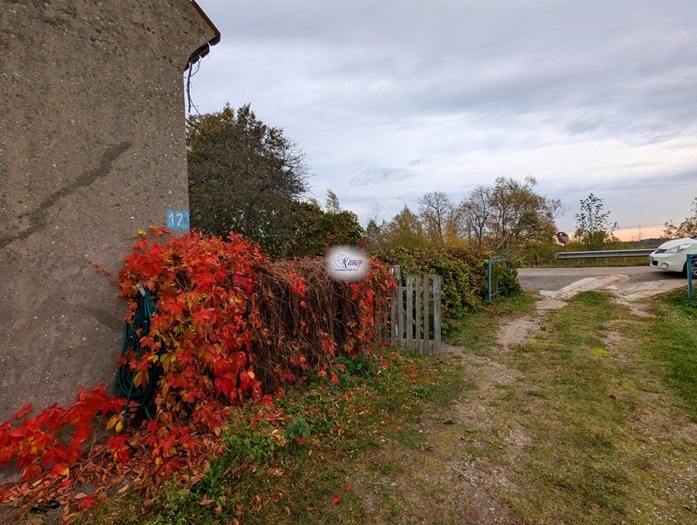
(172, 304)
(60, 469)
(158, 231)
(335, 378)
(22, 411)
(17, 433)
(336, 499)
(87, 503)
(141, 244)
(31, 471)
(201, 316)
(224, 384)
(148, 342)
(118, 446)
(141, 378)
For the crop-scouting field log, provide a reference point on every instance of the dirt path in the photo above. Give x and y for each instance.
(472, 469)
(443, 483)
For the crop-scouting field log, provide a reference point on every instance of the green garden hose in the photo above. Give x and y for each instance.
(138, 327)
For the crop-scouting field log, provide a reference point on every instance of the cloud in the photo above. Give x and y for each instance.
(394, 99)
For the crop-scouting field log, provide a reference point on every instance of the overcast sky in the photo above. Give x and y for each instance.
(391, 99)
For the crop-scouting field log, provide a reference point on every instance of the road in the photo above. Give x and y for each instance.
(634, 281)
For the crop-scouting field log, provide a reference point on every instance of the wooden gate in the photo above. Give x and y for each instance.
(416, 312)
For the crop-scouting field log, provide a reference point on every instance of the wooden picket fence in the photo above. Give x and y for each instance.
(416, 312)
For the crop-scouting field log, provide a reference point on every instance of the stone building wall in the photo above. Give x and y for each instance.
(92, 149)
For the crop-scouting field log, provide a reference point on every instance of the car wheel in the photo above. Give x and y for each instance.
(694, 267)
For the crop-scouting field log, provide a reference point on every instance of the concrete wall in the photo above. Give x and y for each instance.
(92, 148)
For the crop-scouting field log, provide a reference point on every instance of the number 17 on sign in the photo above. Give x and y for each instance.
(177, 220)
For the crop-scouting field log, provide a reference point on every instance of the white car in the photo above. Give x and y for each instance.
(671, 256)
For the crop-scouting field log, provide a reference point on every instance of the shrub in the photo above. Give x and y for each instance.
(229, 326)
(463, 270)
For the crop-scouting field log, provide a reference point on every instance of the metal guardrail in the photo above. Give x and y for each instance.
(641, 252)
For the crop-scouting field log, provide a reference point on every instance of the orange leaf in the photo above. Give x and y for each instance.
(60, 469)
(141, 378)
(112, 421)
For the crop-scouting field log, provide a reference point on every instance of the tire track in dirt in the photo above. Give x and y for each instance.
(477, 413)
(467, 471)
(445, 483)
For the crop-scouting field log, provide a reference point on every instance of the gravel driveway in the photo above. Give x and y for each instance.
(631, 283)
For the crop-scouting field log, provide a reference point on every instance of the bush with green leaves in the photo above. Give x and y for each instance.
(464, 274)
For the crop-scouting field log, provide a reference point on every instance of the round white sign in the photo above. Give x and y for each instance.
(347, 263)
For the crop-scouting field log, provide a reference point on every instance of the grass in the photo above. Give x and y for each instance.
(594, 262)
(299, 470)
(586, 422)
(580, 425)
(587, 432)
(672, 341)
(477, 331)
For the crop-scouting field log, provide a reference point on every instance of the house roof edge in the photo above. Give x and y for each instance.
(216, 38)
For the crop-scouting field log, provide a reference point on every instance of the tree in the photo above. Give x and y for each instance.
(373, 238)
(593, 227)
(317, 230)
(436, 211)
(687, 228)
(475, 214)
(373, 235)
(244, 176)
(332, 204)
(518, 213)
(404, 230)
(509, 217)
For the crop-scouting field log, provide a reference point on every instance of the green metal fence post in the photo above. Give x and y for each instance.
(488, 275)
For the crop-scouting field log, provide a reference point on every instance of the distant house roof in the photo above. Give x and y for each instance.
(205, 48)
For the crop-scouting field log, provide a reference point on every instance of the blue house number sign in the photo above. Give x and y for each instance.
(177, 220)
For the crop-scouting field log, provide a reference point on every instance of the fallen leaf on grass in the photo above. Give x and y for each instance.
(87, 503)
